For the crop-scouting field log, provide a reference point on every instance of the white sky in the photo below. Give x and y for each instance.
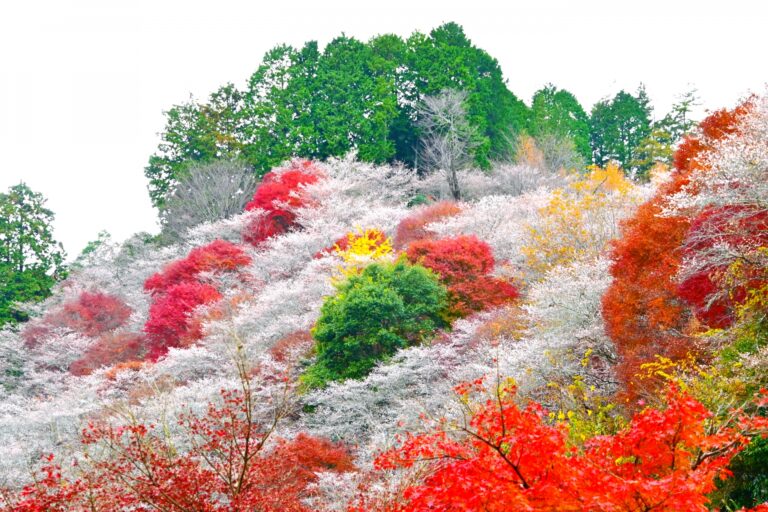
(83, 83)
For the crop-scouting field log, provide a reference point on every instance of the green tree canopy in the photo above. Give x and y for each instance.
(617, 126)
(557, 112)
(31, 261)
(387, 307)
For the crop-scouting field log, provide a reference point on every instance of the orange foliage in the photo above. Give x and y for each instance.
(413, 227)
(643, 314)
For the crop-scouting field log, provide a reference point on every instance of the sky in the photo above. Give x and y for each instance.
(83, 84)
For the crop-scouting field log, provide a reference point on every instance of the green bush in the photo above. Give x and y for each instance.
(387, 307)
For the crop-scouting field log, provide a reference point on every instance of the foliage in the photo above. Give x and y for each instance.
(464, 264)
(359, 249)
(557, 112)
(169, 322)
(643, 313)
(218, 256)
(111, 349)
(31, 261)
(414, 227)
(177, 291)
(278, 196)
(229, 466)
(663, 460)
(387, 307)
(579, 220)
(617, 127)
(349, 96)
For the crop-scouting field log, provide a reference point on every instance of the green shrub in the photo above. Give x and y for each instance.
(387, 307)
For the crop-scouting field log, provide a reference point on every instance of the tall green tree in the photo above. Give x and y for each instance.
(195, 132)
(617, 127)
(557, 112)
(31, 261)
(447, 59)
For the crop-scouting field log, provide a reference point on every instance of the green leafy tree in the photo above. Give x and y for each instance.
(387, 307)
(195, 132)
(31, 261)
(617, 127)
(447, 59)
(557, 112)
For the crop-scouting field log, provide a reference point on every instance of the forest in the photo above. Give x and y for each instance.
(385, 283)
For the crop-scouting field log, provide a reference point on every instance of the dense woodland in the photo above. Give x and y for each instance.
(385, 283)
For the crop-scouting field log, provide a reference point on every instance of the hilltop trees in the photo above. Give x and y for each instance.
(557, 112)
(617, 127)
(31, 261)
(349, 96)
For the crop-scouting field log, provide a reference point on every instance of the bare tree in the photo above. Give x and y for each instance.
(207, 192)
(447, 139)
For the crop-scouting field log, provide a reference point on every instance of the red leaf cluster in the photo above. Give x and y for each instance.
(169, 316)
(464, 264)
(279, 195)
(229, 468)
(111, 348)
(177, 291)
(508, 458)
(413, 227)
(710, 298)
(91, 314)
(218, 256)
(644, 316)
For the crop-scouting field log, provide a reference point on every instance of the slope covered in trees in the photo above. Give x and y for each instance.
(356, 336)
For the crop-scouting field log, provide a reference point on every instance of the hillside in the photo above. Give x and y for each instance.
(365, 336)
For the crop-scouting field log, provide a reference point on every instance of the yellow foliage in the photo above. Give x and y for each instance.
(578, 220)
(528, 153)
(361, 248)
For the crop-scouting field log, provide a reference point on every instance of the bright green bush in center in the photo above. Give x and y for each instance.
(387, 307)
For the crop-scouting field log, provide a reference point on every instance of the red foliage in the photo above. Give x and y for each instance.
(712, 300)
(507, 458)
(413, 227)
(91, 314)
(643, 313)
(229, 468)
(463, 264)
(279, 195)
(292, 347)
(218, 256)
(110, 349)
(169, 316)
(177, 291)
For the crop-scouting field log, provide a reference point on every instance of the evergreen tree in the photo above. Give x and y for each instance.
(557, 112)
(618, 126)
(31, 261)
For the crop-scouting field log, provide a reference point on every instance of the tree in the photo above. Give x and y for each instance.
(557, 112)
(206, 193)
(31, 261)
(644, 314)
(447, 139)
(387, 307)
(464, 264)
(195, 132)
(617, 127)
(503, 457)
